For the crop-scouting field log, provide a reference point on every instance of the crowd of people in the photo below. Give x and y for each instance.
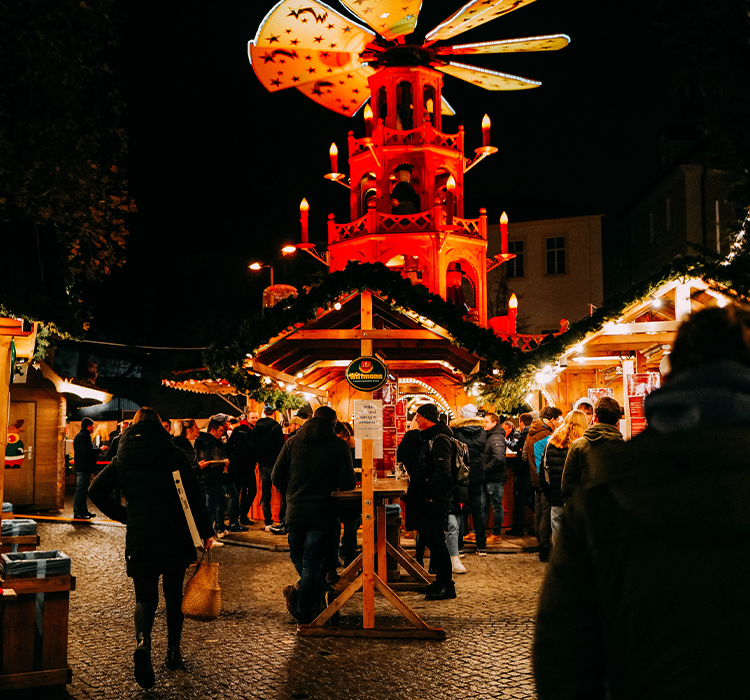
(621, 610)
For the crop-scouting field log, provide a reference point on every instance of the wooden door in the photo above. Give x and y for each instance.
(20, 453)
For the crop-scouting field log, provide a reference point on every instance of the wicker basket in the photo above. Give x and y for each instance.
(202, 598)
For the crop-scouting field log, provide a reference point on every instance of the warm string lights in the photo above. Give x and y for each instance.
(738, 245)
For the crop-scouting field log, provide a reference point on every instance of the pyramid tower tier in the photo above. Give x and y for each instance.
(407, 179)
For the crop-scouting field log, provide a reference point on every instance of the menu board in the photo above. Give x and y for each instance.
(388, 394)
(639, 386)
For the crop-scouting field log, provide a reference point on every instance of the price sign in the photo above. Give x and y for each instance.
(368, 419)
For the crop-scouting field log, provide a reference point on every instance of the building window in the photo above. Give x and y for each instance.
(556, 255)
(515, 265)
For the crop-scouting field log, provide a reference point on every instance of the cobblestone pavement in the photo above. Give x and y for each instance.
(253, 651)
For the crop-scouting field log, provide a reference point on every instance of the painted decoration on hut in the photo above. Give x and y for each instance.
(14, 448)
(366, 373)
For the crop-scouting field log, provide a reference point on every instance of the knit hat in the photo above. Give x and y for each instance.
(582, 400)
(86, 422)
(469, 411)
(430, 412)
(220, 418)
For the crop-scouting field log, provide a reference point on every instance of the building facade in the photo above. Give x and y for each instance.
(556, 274)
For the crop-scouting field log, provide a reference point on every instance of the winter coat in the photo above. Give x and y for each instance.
(84, 452)
(537, 430)
(641, 598)
(432, 478)
(493, 458)
(471, 432)
(577, 463)
(211, 449)
(188, 449)
(158, 537)
(311, 465)
(511, 440)
(268, 439)
(241, 454)
(409, 449)
(552, 483)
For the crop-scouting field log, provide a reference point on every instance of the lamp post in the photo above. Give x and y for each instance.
(257, 266)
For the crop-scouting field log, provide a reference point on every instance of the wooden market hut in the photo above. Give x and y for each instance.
(625, 357)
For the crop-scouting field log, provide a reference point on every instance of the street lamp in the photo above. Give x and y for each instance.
(257, 266)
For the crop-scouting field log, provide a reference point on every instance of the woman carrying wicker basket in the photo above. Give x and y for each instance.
(143, 470)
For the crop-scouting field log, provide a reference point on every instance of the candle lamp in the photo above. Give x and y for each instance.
(304, 211)
(449, 200)
(368, 120)
(512, 313)
(485, 149)
(504, 234)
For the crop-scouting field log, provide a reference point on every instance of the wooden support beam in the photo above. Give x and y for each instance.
(360, 334)
(286, 378)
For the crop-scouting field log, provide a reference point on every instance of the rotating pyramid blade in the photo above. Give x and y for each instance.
(342, 92)
(309, 24)
(473, 14)
(488, 79)
(552, 42)
(389, 18)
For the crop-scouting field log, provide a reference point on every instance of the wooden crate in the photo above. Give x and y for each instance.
(20, 543)
(29, 660)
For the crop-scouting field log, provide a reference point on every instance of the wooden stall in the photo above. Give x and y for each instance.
(625, 358)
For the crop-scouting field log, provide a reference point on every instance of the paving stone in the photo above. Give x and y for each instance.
(253, 651)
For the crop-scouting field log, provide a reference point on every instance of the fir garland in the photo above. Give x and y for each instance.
(509, 372)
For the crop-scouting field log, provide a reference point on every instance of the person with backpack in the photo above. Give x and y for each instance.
(430, 493)
(495, 474)
(469, 429)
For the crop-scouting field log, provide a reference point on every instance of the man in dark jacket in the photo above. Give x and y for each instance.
(430, 493)
(242, 467)
(495, 473)
(84, 456)
(212, 455)
(549, 419)
(469, 429)
(641, 600)
(268, 439)
(604, 429)
(311, 465)
(522, 480)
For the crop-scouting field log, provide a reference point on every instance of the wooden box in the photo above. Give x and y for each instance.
(31, 658)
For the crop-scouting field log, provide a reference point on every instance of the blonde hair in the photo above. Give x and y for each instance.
(573, 427)
(146, 414)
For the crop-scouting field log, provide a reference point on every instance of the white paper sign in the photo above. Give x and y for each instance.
(368, 419)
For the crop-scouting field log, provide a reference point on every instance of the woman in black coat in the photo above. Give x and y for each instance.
(143, 470)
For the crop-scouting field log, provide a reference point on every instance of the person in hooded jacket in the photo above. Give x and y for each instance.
(143, 470)
(430, 494)
(604, 429)
(641, 599)
(268, 439)
(522, 480)
(469, 429)
(541, 429)
(495, 473)
(310, 466)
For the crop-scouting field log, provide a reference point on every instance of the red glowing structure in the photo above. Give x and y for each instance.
(406, 176)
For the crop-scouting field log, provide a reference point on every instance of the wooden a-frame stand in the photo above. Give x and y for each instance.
(368, 581)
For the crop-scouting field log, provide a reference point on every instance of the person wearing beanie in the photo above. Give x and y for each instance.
(268, 439)
(469, 429)
(586, 405)
(85, 456)
(430, 494)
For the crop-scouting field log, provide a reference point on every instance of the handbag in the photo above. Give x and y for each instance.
(202, 597)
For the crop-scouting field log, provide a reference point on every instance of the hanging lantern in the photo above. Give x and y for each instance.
(454, 277)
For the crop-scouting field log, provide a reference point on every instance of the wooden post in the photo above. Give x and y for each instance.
(368, 497)
(5, 371)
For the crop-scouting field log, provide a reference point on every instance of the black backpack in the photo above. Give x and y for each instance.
(459, 461)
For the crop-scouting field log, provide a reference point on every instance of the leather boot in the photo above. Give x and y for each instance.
(174, 658)
(446, 591)
(144, 671)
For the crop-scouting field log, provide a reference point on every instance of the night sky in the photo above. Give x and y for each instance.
(218, 166)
